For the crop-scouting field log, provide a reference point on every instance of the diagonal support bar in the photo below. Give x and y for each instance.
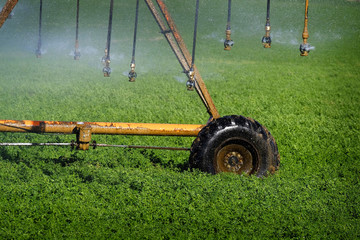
(180, 50)
(6, 10)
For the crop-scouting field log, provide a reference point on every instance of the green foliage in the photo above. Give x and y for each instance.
(310, 105)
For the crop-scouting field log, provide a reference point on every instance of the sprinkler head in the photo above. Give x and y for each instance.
(132, 74)
(76, 55)
(190, 84)
(106, 71)
(266, 41)
(38, 53)
(305, 49)
(228, 44)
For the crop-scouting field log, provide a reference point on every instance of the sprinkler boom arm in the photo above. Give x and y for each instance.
(84, 130)
(225, 144)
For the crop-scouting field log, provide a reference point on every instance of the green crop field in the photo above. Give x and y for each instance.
(310, 104)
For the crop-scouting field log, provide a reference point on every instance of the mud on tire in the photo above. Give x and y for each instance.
(235, 144)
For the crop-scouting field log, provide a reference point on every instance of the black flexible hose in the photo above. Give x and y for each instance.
(229, 16)
(77, 20)
(76, 52)
(267, 11)
(109, 28)
(135, 31)
(38, 51)
(195, 35)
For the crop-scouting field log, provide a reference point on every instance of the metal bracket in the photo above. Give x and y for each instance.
(83, 136)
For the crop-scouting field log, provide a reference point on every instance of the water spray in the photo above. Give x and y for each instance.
(305, 47)
(223, 144)
(132, 74)
(77, 52)
(38, 50)
(106, 58)
(266, 40)
(228, 43)
(190, 84)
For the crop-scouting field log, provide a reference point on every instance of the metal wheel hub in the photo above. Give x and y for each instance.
(233, 161)
(234, 158)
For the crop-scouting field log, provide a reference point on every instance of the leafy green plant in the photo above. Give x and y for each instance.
(310, 105)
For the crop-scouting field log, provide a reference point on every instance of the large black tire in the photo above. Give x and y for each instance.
(235, 144)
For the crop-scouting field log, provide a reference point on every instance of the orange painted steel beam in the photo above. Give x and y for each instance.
(6, 10)
(110, 128)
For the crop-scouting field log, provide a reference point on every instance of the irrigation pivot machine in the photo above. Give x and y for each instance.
(224, 144)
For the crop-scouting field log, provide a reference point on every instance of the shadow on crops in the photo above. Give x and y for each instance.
(66, 161)
(6, 155)
(17, 157)
(155, 160)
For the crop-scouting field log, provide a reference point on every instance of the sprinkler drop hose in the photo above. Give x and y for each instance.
(266, 40)
(38, 50)
(106, 58)
(77, 52)
(191, 82)
(132, 74)
(305, 46)
(228, 43)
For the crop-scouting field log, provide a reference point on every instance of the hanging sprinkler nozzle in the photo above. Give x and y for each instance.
(77, 52)
(305, 46)
(77, 55)
(228, 43)
(266, 40)
(38, 53)
(305, 49)
(132, 74)
(106, 61)
(190, 84)
(106, 71)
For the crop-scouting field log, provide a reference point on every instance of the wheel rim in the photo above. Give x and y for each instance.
(234, 158)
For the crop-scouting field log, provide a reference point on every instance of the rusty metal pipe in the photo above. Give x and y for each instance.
(6, 10)
(110, 128)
